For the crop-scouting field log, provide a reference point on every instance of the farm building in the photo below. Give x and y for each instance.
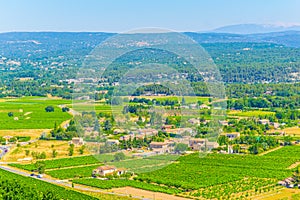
(232, 136)
(223, 122)
(107, 170)
(264, 121)
(147, 132)
(201, 143)
(77, 141)
(179, 130)
(164, 127)
(194, 121)
(112, 142)
(203, 106)
(160, 147)
(288, 182)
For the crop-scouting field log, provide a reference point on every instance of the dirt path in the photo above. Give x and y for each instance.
(146, 194)
(294, 165)
(266, 152)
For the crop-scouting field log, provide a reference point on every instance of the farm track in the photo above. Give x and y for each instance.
(294, 165)
(127, 191)
(271, 150)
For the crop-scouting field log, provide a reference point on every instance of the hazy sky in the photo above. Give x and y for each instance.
(124, 15)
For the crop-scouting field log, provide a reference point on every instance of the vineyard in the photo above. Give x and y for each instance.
(109, 184)
(60, 163)
(226, 176)
(76, 172)
(132, 165)
(13, 186)
(29, 113)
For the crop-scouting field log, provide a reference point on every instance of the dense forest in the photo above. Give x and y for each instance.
(46, 63)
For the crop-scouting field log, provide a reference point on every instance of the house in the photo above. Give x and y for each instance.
(194, 121)
(264, 121)
(197, 143)
(148, 132)
(77, 141)
(160, 147)
(164, 127)
(108, 170)
(232, 136)
(223, 122)
(112, 142)
(202, 143)
(118, 131)
(203, 106)
(212, 145)
(193, 106)
(126, 137)
(276, 125)
(180, 130)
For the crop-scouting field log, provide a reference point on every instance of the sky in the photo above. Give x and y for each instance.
(125, 15)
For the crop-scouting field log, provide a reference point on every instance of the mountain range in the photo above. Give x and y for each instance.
(255, 28)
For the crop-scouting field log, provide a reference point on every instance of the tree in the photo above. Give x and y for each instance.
(119, 156)
(49, 109)
(107, 125)
(71, 150)
(183, 101)
(81, 149)
(65, 109)
(54, 153)
(40, 167)
(180, 147)
(27, 152)
(116, 101)
(10, 114)
(254, 149)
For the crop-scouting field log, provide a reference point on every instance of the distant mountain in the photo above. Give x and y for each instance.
(287, 38)
(255, 28)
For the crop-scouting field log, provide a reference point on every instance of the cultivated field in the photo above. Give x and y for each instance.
(29, 113)
(41, 146)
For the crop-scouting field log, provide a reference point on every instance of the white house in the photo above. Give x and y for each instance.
(107, 170)
(77, 141)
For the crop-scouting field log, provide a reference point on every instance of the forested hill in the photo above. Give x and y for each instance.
(47, 60)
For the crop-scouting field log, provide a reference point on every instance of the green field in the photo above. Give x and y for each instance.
(60, 163)
(29, 113)
(253, 113)
(188, 99)
(75, 172)
(212, 176)
(108, 184)
(83, 166)
(132, 165)
(37, 186)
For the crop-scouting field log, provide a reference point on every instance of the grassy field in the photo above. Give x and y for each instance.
(42, 187)
(83, 166)
(188, 99)
(61, 192)
(32, 133)
(213, 176)
(75, 172)
(253, 113)
(41, 146)
(29, 113)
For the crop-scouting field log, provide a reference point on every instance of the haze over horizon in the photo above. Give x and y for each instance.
(120, 16)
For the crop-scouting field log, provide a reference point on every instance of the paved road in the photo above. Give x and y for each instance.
(61, 183)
